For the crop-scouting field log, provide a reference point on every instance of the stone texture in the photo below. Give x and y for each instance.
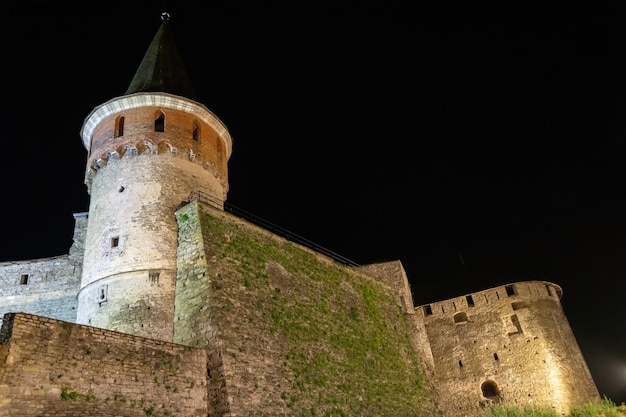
(289, 331)
(283, 330)
(54, 368)
(515, 338)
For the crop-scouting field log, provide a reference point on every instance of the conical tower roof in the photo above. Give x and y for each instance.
(162, 68)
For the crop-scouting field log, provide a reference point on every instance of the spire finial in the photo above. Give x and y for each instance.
(165, 16)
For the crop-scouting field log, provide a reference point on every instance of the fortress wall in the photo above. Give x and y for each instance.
(77, 250)
(45, 287)
(393, 273)
(54, 368)
(290, 331)
(573, 383)
(193, 322)
(515, 337)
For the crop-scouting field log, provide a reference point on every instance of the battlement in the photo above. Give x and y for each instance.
(509, 296)
(156, 124)
(511, 342)
(159, 100)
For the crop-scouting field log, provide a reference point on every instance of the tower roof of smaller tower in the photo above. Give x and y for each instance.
(162, 68)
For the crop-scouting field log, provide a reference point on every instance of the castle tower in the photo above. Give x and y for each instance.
(510, 344)
(148, 151)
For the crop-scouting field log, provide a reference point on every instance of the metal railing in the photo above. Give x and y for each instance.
(287, 234)
(206, 198)
(216, 202)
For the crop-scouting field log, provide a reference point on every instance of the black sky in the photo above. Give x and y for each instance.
(480, 143)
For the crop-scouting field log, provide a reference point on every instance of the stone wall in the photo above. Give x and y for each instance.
(44, 286)
(510, 344)
(54, 368)
(393, 273)
(274, 328)
(288, 331)
(48, 286)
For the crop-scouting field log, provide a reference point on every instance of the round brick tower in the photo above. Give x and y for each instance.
(149, 151)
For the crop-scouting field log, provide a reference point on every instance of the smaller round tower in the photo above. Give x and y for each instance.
(149, 150)
(510, 345)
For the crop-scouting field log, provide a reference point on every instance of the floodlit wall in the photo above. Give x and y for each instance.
(54, 368)
(510, 344)
(48, 286)
(284, 328)
(289, 331)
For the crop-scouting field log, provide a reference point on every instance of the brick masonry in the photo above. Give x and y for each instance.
(54, 368)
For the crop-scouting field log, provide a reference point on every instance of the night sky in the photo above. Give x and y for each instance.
(479, 143)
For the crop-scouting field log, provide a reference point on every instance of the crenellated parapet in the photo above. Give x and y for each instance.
(130, 150)
(156, 124)
(506, 298)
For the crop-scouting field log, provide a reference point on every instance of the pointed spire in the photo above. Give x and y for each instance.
(162, 68)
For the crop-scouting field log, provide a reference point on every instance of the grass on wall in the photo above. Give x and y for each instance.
(346, 341)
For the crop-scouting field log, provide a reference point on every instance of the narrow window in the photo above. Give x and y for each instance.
(497, 295)
(196, 131)
(24, 279)
(115, 241)
(470, 300)
(495, 356)
(442, 309)
(119, 126)
(427, 310)
(219, 153)
(460, 364)
(103, 294)
(159, 122)
(510, 290)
